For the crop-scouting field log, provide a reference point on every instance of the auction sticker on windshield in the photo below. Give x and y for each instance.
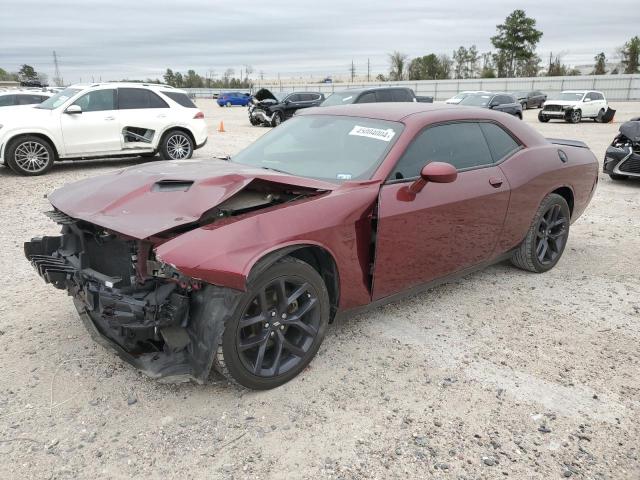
(377, 133)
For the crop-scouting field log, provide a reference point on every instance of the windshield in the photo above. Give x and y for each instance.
(476, 100)
(331, 148)
(58, 99)
(571, 96)
(339, 98)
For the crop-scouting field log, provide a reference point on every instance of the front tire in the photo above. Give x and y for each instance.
(176, 145)
(277, 327)
(547, 237)
(276, 120)
(542, 118)
(525, 106)
(574, 116)
(30, 156)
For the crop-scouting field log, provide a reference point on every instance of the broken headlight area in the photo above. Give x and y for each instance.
(148, 311)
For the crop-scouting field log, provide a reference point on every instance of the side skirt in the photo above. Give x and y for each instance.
(346, 314)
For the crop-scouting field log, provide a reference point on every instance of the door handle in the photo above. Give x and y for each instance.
(495, 181)
(162, 115)
(109, 118)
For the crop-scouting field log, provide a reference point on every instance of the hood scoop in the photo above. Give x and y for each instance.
(172, 186)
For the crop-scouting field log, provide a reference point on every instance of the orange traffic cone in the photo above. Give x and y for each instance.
(221, 127)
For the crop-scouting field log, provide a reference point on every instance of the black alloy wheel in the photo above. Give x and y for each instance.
(277, 327)
(552, 235)
(547, 237)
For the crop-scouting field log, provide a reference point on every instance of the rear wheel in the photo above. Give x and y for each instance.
(176, 145)
(547, 237)
(30, 156)
(277, 327)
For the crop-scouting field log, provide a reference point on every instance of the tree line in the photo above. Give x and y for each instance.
(515, 55)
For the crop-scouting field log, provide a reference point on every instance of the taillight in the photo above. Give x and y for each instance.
(199, 115)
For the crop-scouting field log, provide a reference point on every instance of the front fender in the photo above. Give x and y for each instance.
(225, 252)
(16, 132)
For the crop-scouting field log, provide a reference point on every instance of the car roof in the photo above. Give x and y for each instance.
(161, 87)
(372, 89)
(391, 111)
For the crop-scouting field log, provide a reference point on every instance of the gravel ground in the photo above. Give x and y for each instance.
(503, 373)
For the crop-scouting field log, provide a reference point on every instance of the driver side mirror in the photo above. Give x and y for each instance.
(587, 100)
(494, 104)
(436, 172)
(73, 110)
(287, 102)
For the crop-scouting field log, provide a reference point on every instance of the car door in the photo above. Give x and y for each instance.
(447, 226)
(143, 117)
(94, 130)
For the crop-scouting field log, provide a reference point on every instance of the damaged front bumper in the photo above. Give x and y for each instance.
(258, 115)
(161, 323)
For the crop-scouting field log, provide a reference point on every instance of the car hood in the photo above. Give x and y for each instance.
(18, 115)
(562, 102)
(146, 200)
(631, 130)
(264, 94)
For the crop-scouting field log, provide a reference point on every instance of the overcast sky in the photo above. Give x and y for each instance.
(118, 39)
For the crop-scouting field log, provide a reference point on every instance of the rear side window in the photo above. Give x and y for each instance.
(463, 145)
(401, 95)
(369, 97)
(294, 97)
(97, 101)
(28, 99)
(7, 100)
(384, 96)
(501, 144)
(133, 98)
(181, 99)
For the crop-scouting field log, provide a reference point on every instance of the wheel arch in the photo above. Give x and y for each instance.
(40, 135)
(320, 258)
(566, 193)
(179, 128)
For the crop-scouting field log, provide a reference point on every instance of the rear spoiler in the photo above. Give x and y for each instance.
(569, 143)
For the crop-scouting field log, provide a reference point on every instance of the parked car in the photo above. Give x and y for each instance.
(101, 120)
(574, 105)
(374, 95)
(11, 98)
(229, 99)
(622, 158)
(458, 97)
(271, 109)
(531, 99)
(240, 265)
(500, 102)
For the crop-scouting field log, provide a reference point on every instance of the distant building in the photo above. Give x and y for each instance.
(9, 84)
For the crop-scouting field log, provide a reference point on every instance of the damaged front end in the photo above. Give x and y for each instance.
(260, 107)
(154, 317)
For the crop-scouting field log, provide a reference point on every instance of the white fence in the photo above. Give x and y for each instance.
(614, 87)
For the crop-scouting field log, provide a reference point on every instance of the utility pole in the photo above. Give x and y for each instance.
(368, 70)
(353, 71)
(56, 75)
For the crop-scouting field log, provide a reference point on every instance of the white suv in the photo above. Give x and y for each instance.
(574, 105)
(101, 120)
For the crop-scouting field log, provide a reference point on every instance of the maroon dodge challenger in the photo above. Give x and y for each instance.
(240, 265)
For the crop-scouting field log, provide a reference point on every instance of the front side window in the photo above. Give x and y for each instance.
(97, 101)
(463, 145)
(369, 97)
(136, 98)
(331, 148)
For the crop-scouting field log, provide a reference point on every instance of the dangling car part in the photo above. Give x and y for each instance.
(622, 158)
(240, 265)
